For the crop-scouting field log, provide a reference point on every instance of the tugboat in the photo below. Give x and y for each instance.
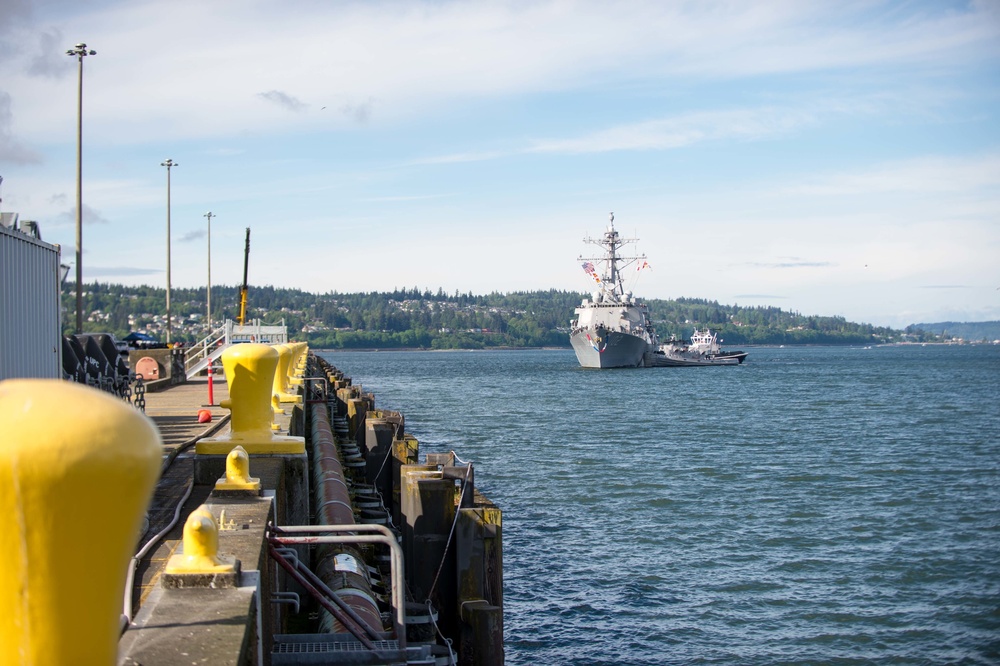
(702, 350)
(612, 329)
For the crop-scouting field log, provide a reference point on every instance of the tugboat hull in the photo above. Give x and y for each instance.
(677, 360)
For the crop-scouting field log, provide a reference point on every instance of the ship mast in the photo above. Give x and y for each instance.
(611, 243)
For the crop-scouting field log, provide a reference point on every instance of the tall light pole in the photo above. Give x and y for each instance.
(168, 163)
(208, 291)
(79, 51)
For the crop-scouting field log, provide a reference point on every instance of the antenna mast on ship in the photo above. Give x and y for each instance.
(612, 242)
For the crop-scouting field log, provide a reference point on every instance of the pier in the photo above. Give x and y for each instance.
(299, 524)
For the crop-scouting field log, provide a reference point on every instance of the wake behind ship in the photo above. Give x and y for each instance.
(612, 329)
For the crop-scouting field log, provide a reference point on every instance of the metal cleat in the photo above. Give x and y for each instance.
(238, 473)
(201, 564)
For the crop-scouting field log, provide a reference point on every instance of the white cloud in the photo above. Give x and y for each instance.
(12, 150)
(920, 175)
(537, 117)
(283, 99)
(684, 130)
(190, 68)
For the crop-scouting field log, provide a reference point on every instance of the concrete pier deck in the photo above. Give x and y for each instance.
(175, 411)
(265, 612)
(217, 625)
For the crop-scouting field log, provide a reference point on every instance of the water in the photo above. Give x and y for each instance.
(815, 505)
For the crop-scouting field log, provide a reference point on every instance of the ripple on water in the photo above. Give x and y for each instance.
(815, 505)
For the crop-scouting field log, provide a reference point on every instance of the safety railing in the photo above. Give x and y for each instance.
(209, 348)
(206, 350)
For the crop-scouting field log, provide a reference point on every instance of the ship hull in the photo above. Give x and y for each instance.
(613, 350)
(677, 360)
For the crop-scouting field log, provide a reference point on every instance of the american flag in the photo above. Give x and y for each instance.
(589, 267)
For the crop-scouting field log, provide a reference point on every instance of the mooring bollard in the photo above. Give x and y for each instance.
(237, 476)
(77, 471)
(201, 548)
(250, 375)
(281, 375)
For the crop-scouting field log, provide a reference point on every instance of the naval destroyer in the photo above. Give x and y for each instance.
(611, 328)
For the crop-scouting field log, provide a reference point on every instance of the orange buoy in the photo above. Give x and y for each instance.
(204, 416)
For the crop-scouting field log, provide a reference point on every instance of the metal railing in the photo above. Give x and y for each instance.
(290, 535)
(209, 348)
(206, 350)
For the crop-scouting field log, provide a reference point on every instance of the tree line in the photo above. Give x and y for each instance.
(415, 318)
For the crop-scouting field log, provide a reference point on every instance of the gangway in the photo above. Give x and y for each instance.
(209, 348)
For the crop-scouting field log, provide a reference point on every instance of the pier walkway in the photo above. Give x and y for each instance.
(286, 603)
(175, 628)
(174, 409)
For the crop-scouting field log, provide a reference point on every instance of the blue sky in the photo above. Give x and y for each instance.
(832, 158)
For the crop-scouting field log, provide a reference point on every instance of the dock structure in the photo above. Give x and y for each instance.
(294, 522)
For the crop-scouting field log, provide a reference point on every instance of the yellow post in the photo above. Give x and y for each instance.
(77, 471)
(238, 472)
(201, 548)
(250, 374)
(281, 377)
(298, 364)
(284, 364)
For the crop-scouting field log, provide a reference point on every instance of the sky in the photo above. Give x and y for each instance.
(829, 158)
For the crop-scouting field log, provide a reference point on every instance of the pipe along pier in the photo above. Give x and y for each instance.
(305, 529)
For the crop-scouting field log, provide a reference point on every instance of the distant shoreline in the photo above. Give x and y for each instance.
(568, 349)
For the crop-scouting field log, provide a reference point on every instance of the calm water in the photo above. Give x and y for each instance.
(815, 505)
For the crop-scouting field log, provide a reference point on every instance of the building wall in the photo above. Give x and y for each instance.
(30, 326)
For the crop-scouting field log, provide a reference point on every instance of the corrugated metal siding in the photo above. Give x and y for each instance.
(30, 328)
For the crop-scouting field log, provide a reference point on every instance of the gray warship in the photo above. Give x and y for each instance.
(611, 328)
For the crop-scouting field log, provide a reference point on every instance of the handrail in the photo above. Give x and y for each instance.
(257, 332)
(382, 536)
(201, 349)
(201, 353)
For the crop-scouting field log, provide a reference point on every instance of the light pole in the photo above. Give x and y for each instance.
(168, 163)
(208, 291)
(79, 51)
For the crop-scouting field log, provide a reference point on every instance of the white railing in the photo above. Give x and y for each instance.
(255, 332)
(206, 350)
(201, 353)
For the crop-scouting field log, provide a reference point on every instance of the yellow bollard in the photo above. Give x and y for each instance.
(77, 471)
(250, 375)
(298, 363)
(284, 366)
(275, 408)
(238, 472)
(201, 548)
(281, 376)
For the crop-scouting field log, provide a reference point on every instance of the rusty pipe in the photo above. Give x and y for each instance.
(377, 534)
(337, 564)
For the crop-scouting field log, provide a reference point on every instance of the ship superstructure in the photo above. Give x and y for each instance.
(611, 328)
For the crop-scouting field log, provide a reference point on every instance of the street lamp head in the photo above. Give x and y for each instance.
(80, 50)
(168, 163)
